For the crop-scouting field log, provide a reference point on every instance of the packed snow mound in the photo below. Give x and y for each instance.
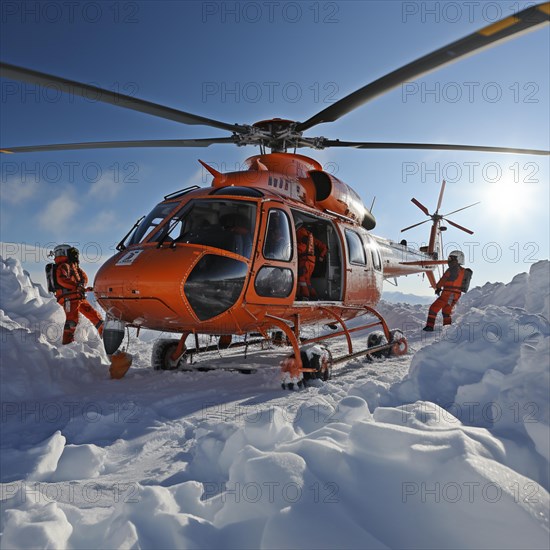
(446, 458)
(526, 290)
(267, 484)
(490, 368)
(489, 343)
(408, 318)
(32, 364)
(27, 304)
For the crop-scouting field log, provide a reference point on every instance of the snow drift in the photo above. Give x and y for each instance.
(382, 456)
(31, 324)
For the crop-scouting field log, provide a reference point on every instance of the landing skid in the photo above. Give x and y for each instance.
(168, 355)
(310, 358)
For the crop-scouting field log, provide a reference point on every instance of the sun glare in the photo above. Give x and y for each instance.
(509, 196)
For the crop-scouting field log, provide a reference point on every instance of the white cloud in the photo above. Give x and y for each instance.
(15, 190)
(58, 215)
(103, 221)
(107, 187)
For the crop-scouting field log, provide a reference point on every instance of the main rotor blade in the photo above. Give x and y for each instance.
(88, 91)
(415, 225)
(459, 226)
(433, 146)
(440, 199)
(119, 145)
(421, 206)
(463, 208)
(525, 20)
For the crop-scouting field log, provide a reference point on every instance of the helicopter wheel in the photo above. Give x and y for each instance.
(377, 338)
(326, 367)
(321, 361)
(162, 350)
(400, 345)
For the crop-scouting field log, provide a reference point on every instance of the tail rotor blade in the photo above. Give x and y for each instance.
(463, 208)
(440, 200)
(415, 225)
(421, 206)
(459, 227)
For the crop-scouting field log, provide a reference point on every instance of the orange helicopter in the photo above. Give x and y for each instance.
(223, 260)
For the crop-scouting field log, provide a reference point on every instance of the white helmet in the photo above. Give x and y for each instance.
(61, 250)
(458, 255)
(66, 250)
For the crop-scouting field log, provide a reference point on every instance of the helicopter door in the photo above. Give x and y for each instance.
(274, 266)
(356, 267)
(327, 276)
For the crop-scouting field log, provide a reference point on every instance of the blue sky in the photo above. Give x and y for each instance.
(248, 61)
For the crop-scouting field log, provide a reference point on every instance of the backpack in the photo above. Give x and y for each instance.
(466, 280)
(51, 278)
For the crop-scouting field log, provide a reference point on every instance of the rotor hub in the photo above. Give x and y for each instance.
(278, 135)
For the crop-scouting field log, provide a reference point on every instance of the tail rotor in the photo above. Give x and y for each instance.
(436, 218)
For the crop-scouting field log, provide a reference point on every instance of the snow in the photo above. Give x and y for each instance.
(445, 447)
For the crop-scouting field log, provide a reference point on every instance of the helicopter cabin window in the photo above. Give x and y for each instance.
(151, 222)
(355, 248)
(274, 282)
(278, 240)
(372, 248)
(376, 261)
(225, 224)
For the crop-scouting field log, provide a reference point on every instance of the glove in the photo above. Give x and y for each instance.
(81, 290)
(438, 291)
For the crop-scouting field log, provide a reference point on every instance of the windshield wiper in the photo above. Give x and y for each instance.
(121, 246)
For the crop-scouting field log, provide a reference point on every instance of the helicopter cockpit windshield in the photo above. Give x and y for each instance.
(224, 224)
(151, 222)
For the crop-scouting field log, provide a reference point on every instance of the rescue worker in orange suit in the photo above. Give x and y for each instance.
(307, 244)
(72, 280)
(448, 289)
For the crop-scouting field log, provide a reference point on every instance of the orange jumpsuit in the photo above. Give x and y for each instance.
(307, 243)
(450, 285)
(72, 297)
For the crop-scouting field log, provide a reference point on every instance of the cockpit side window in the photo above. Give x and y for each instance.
(278, 240)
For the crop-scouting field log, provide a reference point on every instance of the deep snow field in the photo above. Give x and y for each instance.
(445, 447)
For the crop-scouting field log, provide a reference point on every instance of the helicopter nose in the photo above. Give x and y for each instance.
(170, 289)
(214, 285)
